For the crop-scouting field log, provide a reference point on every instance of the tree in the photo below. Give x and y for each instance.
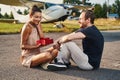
(84, 2)
(6, 16)
(78, 2)
(19, 11)
(98, 10)
(117, 6)
(11, 16)
(72, 1)
(113, 9)
(26, 12)
(104, 10)
(1, 16)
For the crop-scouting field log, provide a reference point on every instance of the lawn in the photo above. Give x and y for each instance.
(9, 28)
(6, 28)
(70, 26)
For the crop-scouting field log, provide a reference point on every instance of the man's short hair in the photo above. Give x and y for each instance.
(89, 14)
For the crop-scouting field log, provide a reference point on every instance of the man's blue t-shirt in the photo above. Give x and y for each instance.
(93, 45)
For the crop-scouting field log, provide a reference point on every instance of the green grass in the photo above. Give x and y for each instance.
(48, 27)
(9, 28)
(70, 26)
(6, 28)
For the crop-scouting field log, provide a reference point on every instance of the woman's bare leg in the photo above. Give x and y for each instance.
(44, 57)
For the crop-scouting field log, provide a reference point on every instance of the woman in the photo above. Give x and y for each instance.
(31, 32)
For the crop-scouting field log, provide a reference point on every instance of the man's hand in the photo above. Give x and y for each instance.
(63, 39)
(56, 46)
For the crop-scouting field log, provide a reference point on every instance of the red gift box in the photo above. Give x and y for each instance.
(44, 41)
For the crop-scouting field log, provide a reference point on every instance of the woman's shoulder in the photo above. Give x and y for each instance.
(26, 26)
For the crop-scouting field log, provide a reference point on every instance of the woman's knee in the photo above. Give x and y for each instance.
(42, 58)
(54, 53)
(47, 55)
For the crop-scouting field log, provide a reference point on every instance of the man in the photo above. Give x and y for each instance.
(92, 43)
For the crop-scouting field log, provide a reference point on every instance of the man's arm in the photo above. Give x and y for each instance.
(72, 36)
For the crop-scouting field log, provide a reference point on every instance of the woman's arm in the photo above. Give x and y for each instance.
(24, 37)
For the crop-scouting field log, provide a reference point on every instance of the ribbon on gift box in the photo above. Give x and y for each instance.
(44, 41)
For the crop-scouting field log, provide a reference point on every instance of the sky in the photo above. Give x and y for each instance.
(102, 1)
(6, 8)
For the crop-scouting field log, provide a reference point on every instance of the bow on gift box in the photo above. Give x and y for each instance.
(44, 41)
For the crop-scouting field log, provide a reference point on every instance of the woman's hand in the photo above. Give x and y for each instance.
(38, 45)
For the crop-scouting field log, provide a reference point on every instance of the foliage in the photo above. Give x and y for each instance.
(101, 10)
(70, 26)
(72, 1)
(104, 11)
(26, 12)
(98, 11)
(19, 12)
(6, 16)
(116, 6)
(1, 16)
(11, 16)
(84, 2)
(75, 12)
(113, 9)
